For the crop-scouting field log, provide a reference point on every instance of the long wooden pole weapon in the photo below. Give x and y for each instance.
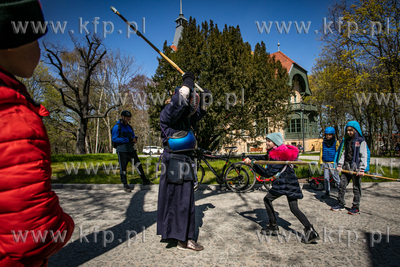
(262, 162)
(369, 175)
(153, 46)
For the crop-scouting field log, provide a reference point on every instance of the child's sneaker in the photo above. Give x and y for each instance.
(310, 235)
(127, 188)
(337, 208)
(271, 228)
(354, 210)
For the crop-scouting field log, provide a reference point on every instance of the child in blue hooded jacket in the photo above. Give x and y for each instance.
(326, 159)
(352, 155)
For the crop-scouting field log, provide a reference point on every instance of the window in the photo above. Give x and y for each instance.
(298, 126)
(295, 126)
(291, 126)
(306, 125)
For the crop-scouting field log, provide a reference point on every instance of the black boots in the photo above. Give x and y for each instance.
(310, 235)
(271, 228)
(127, 188)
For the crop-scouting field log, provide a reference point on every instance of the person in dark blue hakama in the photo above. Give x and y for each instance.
(176, 207)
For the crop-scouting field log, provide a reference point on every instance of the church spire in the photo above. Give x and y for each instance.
(179, 27)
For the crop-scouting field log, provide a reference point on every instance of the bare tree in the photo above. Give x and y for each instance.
(75, 74)
(119, 68)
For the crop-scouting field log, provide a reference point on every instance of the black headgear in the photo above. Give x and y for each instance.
(126, 113)
(14, 15)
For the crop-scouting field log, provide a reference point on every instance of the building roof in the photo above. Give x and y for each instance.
(178, 31)
(285, 61)
(293, 70)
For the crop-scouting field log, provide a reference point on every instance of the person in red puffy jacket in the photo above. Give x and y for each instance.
(33, 226)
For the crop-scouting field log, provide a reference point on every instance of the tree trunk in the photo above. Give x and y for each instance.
(107, 122)
(81, 136)
(98, 122)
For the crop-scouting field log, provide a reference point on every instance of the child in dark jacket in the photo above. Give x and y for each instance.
(285, 183)
(352, 155)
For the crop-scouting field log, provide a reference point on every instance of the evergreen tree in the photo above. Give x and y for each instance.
(247, 87)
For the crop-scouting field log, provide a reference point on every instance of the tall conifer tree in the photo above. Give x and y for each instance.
(222, 62)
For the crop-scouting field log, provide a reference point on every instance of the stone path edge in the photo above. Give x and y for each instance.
(212, 187)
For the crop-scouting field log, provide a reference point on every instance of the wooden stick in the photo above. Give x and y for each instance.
(262, 162)
(369, 175)
(153, 46)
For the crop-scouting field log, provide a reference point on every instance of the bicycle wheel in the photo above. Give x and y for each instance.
(252, 177)
(237, 178)
(200, 175)
(317, 185)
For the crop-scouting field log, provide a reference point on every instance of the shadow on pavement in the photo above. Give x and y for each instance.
(261, 218)
(199, 217)
(331, 201)
(383, 249)
(92, 245)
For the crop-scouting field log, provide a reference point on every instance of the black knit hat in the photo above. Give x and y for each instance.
(14, 13)
(126, 113)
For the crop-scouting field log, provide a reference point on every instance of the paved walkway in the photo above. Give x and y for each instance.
(227, 225)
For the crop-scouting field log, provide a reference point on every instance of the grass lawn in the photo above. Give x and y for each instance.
(93, 168)
(103, 169)
(310, 154)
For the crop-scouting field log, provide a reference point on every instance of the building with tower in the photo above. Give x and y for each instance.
(303, 121)
(178, 29)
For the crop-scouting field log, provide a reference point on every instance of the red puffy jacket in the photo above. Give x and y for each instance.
(28, 206)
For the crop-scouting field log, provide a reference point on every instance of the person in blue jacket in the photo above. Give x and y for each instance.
(123, 138)
(285, 183)
(176, 208)
(326, 159)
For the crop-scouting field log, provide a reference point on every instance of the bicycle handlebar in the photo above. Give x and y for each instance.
(204, 151)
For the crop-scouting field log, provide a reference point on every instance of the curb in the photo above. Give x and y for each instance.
(212, 187)
(102, 186)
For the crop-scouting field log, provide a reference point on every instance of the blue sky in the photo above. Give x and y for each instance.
(160, 23)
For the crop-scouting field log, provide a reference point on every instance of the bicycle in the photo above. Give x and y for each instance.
(318, 182)
(234, 175)
(267, 182)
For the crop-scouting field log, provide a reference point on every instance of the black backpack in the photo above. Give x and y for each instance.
(115, 145)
